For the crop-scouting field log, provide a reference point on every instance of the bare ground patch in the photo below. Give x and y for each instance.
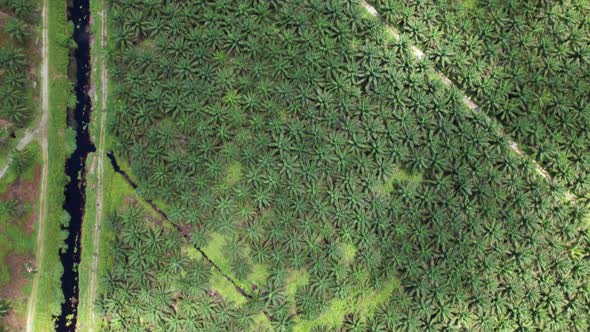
(13, 290)
(26, 192)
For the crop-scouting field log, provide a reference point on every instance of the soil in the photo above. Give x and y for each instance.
(24, 191)
(186, 229)
(129, 200)
(92, 165)
(150, 215)
(43, 134)
(5, 123)
(27, 192)
(12, 290)
(154, 220)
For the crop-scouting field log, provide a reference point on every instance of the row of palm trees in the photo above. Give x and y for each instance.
(152, 286)
(343, 140)
(15, 100)
(15, 96)
(23, 9)
(524, 62)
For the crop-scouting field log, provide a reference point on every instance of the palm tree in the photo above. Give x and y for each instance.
(12, 58)
(136, 23)
(282, 320)
(353, 322)
(178, 263)
(21, 161)
(16, 29)
(22, 8)
(273, 293)
(4, 307)
(241, 268)
(123, 38)
(175, 322)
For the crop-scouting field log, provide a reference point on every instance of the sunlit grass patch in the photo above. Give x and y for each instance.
(234, 173)
(397, 176)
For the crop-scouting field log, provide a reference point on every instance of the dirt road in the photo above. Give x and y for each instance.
(22, 143)
(100, 155)
(42, 136)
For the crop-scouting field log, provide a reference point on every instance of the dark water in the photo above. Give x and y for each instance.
(75, 190)
(118, 169)
(182, 231)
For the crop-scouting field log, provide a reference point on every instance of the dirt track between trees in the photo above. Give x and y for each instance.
(100, 155)
(42, 136)
(472, 105)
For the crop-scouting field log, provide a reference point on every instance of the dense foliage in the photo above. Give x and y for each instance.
(285, 126)
(4, 307)
(16, 74)
(154, 286)
(527, 63)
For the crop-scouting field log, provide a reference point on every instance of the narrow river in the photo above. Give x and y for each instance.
(75, 190)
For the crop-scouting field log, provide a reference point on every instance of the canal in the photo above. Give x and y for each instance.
(75, 190)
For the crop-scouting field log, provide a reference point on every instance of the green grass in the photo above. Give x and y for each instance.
(10, 176)
(333, 315)
(348, 253)
(13, 239)
(13, 236)
(50, 296)
(260, 324)
(234, 173)
(363, 303)
(114, 191)
(469, 4)
(191, 252)
(398, 176)
(118, 189)
(259, 274)
(215, 251)
(225, 288)
(217, 281)
(295, 280)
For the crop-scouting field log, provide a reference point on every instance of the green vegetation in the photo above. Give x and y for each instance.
(328, 173)
(18, 74)
(114, 191)
(24, 9)
(4, 308)
(153, 284)
(17, 240)
(50, 296)
(17, 57)
(14, 210)
(526, 63)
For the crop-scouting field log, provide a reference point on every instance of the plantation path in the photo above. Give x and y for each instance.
(22, 143)
(42, 131)
(473, 106)
(100, 153)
